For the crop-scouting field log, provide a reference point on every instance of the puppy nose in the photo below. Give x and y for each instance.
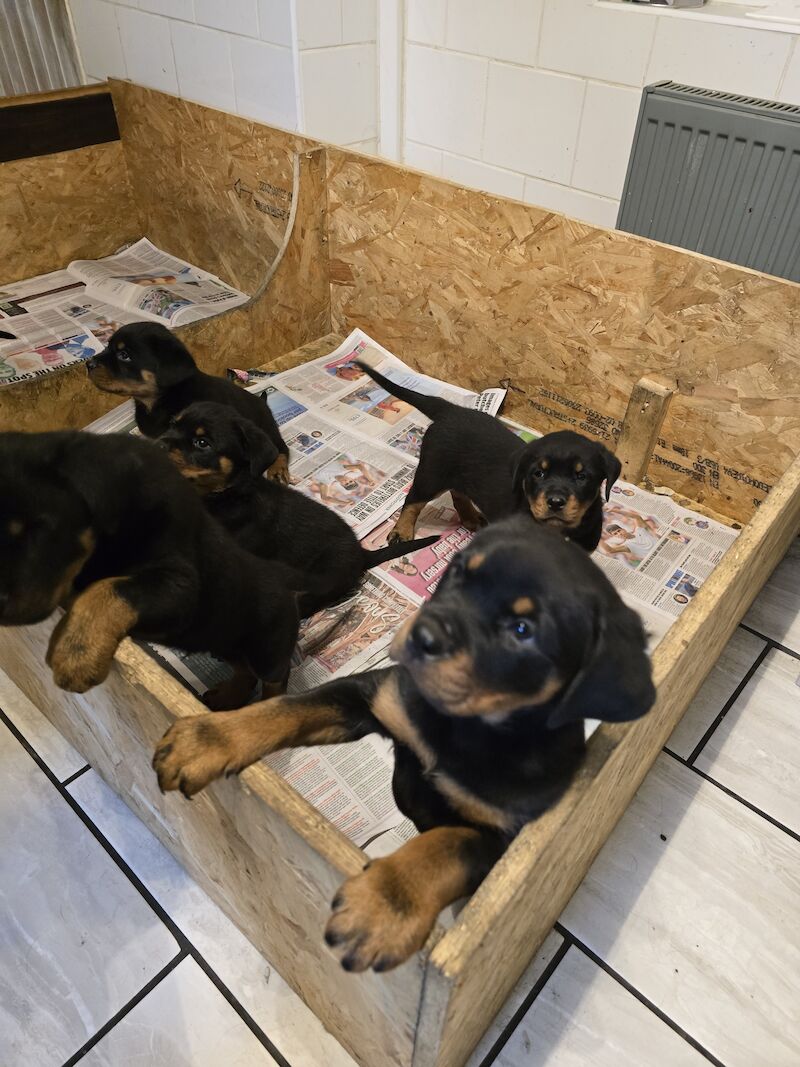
(431, 638)
(556, 503)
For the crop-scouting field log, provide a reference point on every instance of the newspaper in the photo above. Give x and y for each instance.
(359, 457)
(68, 316)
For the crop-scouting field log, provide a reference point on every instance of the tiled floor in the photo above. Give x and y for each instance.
(681, 947)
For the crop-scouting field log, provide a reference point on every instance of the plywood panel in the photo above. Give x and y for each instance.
(477, 289)
(69, 205)
(213, 188)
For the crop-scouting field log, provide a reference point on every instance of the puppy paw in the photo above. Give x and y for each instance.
(192, 753)
(378, 921)
(76, 665)
(279, 470)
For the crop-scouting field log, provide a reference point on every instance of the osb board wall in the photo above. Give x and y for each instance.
(212, 188)
(479, 290)
(69, 205)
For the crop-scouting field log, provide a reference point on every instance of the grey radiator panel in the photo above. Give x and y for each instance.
(718, 174)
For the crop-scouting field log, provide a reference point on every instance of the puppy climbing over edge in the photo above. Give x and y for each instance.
(146, 361)
(523, 639)
(491, 474)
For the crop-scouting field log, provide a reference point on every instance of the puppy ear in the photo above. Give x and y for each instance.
(612, 467)
(175, 361)
(260, 449)
(614, 683)
(521, 464)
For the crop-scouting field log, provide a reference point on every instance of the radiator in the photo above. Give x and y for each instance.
(716, 173)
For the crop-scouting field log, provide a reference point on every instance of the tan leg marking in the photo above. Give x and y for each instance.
(404, 527)
(195, 751)
(83, 643)
(471, 518)
(385, 914)
(279, 470)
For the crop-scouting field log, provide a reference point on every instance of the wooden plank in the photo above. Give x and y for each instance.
(269, 859)
(476, 289)
(44, 127)
(641, 426)
(54, 94)
(514, 909)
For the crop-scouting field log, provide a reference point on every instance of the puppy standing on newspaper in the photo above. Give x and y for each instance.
(523, 639)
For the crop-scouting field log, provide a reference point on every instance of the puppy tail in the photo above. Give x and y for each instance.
(432, 406)
(374, 556)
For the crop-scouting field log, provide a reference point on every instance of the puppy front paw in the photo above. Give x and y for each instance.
(378, 919)
(192, 753)
(77, 665)
(279, 470)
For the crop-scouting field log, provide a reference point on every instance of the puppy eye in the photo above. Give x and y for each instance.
(123, 356)
(580, 476)
(520, 629)
(538, 473)
(201, 442)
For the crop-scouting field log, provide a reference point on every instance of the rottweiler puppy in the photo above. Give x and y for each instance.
(224, 456)
(492, 475)
(146, 361)
(523, 639)
(106, 526)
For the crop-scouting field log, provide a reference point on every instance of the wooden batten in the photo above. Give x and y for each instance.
(641, 426)
(515, 908)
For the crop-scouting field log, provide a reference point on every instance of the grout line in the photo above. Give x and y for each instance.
(658, 1012)
(135, 880)
(77, 774)
(751, 670)
(126, 1008)
(735, 796)
(522, 1010)
(771, 641)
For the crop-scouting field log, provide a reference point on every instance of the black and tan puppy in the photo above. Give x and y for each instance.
(523, 639)
(224, 456)
(106, 526)
(146, 361)
(491, 474)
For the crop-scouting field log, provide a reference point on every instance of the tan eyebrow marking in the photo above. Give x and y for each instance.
(578, 467)
(476, 561)
(522, 605)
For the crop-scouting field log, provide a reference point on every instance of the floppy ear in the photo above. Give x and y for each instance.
(175, 361)
(259, 447)
(612, 466)
(615, 683)
(521, 464)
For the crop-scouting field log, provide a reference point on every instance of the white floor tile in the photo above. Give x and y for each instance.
(694, 901)
(280, 1013)
(56, 752)
(776, 610)
(755, 751)
(737, 658)
(532, 974)
(585, 1017)
(77, 941)
(183, 1022)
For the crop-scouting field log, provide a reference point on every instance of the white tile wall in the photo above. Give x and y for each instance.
(174, 9)
(445, 99)
(482, 176)
(359, 21)
(275, 21)
(421, 157)
(426, 21)
(744, 61)
(595, 42)
(203, 65)
(147, 47)
(502, 29)
(789, 91)
(235, 16)
(319, 23)
(264, 82)
(532, 120)
(340, 93)
(98, 36)
(606, 136)
(586, 207)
